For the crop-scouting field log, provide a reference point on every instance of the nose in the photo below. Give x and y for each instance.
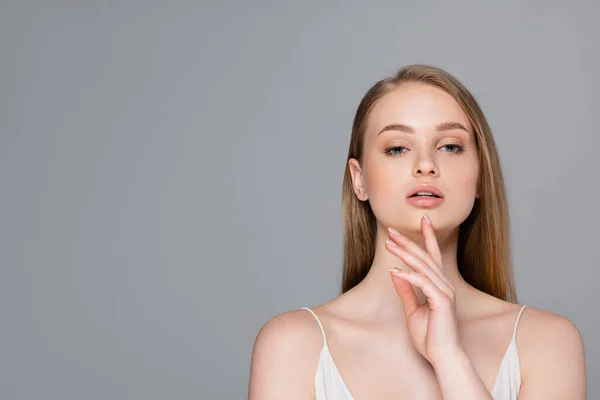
(425, 165)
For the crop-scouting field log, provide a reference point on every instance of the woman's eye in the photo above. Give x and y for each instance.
(392, 151)
(455, 148)
(400, 151)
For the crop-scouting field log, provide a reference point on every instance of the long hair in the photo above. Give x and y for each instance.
(484, 254)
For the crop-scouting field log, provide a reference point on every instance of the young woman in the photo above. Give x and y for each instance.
(428, 307)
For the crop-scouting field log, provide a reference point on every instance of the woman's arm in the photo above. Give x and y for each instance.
(285, 358)
(459, 380)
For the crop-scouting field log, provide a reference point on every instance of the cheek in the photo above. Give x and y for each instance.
(468, 180)
(382, 183)
(386, 186)
(464, 190)
(459, 174)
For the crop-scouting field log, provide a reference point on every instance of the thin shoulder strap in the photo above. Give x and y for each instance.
(319, 322)
(517, 322)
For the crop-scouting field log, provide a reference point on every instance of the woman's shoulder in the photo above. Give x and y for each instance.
(550, 348)
(291, 334)
(534, 323)
(291, 327)
(298, 326)
(543, 329)
(285, 355)
(297, 330)
(549, 344)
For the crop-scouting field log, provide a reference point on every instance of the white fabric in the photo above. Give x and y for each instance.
(329, 384)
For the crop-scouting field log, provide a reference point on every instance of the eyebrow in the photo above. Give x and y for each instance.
(444, 126)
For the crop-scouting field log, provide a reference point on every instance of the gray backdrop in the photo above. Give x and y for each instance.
(171, 173)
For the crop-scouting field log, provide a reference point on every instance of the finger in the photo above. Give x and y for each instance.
(414, 248)
(418, 264)
(431, 243)
(421, 267)
(405, 291)
(436, 299)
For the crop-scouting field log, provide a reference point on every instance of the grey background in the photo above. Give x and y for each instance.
(171, 173)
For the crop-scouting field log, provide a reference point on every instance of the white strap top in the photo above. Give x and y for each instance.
(329, 384)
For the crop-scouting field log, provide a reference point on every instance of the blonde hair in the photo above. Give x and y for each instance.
(484, 254)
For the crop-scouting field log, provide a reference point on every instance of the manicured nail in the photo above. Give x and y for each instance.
(395, 270)
(393, 231)
(388, 241)
(427, 219)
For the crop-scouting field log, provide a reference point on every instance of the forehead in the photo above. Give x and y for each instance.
(419, 105)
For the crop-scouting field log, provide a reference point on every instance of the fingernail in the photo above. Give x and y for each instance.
(427, 219)
(391, 243)
(396, 270)
(393, 231)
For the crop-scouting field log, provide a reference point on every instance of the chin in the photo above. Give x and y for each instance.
(442, 219)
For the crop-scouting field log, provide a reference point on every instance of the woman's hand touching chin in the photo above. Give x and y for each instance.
(432, 325)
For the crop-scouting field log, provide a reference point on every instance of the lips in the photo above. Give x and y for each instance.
(425, 188)
(425, 201)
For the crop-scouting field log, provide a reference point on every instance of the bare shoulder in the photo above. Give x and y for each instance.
(539, 328)
(285, 357)
(551, 354)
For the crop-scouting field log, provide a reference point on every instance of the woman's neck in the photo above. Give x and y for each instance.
(379, 298)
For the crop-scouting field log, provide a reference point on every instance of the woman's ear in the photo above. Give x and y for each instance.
(357, 179)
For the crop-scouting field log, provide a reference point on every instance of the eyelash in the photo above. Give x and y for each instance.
(459, 150)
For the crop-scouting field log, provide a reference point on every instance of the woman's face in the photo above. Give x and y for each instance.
(415, 136)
